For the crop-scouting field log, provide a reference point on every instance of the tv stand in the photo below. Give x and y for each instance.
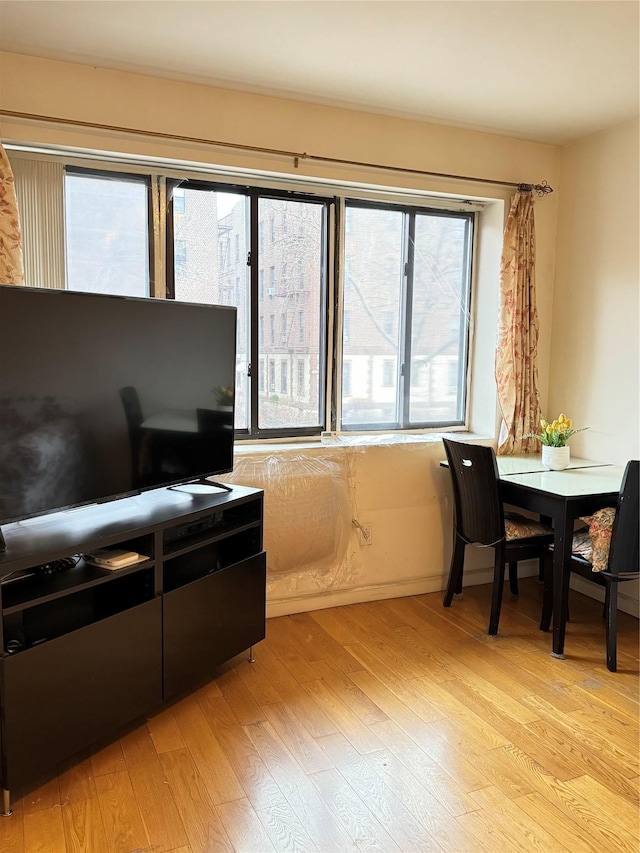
(99, 648)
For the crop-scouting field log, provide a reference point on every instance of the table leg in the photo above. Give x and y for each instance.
(563, 534)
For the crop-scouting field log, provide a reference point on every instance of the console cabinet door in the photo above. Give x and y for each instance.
(66, 693)
(210, 620)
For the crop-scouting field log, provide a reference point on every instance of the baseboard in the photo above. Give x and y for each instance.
(626, 603)
(419, 586)
(375, 592)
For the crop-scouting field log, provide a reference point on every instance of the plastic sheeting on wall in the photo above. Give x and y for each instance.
(307, 509)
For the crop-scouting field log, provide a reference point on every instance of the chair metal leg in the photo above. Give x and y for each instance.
(513, 578)
(454, 585)
(496, 597)
(612, 626)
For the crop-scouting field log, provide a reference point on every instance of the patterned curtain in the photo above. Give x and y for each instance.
(11, 269)
(515, 367)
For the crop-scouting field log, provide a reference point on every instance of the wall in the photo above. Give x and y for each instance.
(596, 322)
(398, 489)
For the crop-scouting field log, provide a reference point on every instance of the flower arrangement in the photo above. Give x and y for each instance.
(557, 433)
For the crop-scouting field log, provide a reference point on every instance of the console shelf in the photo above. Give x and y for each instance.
(85, 649)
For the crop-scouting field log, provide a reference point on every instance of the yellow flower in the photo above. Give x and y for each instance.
(561, 419)
(543, 423)
(568, 423)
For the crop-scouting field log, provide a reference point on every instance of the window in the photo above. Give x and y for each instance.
(180, 253)
(406, 291)
(107, 233)
(300, 327)
(284, 368)
(178, 200)
(300, 380)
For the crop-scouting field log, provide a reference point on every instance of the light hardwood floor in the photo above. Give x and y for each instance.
(389, 726)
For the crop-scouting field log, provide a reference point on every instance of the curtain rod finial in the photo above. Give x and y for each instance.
(540, 189)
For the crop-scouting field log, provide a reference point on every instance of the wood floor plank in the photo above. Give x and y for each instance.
(565, 831)
(349, 692)
(164, 731)
(123, 824)
(257, 782)
(444, 779)
(154, 800)
(44, 831)
(321, 824)
(420, 802)
(12, 830)
(199, 815)
(530, 834)
(359, 822)
(83, 827)
(215, 770)
(285, 830)
(407, 831)
(245, 828)
(298, 740)
(351, 726)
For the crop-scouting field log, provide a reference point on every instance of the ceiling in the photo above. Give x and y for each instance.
(544, 70)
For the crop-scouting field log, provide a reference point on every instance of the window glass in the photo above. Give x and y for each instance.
(439, 319)
(406, 319)
(299, 301)
(373, 287)
(107, 234)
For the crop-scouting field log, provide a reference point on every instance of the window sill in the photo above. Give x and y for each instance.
(352, 440)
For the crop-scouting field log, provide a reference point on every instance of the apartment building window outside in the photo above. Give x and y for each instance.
(272, 375)
(300, 378)
(260, 284)
(106, 232)
(180, 253)
(284, 377)
(300, 327)
(272, 329)
(407, 275)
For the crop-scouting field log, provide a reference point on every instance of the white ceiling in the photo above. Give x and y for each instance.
(545, 70)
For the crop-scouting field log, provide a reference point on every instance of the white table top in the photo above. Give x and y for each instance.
(531, 462)
(572, 482)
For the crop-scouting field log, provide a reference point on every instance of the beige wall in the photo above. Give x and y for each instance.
(398, 489)
(596, 321)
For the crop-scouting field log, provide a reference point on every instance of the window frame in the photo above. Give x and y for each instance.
(257, 246)
(403, 382)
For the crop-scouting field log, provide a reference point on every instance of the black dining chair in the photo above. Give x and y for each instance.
(623, 563)
(480, 520)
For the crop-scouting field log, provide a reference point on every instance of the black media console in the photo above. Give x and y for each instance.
(85, 650)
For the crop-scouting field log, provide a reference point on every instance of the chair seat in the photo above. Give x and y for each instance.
(518, 527)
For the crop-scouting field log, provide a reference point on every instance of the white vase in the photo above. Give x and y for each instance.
(555, 458)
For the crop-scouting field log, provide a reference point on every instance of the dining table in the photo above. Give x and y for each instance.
(559, 498)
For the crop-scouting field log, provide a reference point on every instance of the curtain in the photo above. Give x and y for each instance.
(11, 270)
(517, 347)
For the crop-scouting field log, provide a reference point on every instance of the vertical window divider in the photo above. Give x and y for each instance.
(404, 380)
(254, 352)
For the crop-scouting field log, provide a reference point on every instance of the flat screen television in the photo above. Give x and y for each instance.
(106, 396)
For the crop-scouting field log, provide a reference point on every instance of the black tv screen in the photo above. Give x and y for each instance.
(104, 396)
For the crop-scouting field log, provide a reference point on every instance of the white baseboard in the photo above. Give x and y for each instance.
(418, 586)
(376, 592)
(626, 603)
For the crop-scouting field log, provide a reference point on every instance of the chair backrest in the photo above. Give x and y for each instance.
(474, 474)
(624, 551)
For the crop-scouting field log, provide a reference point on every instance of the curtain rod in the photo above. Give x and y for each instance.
(540, 189)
